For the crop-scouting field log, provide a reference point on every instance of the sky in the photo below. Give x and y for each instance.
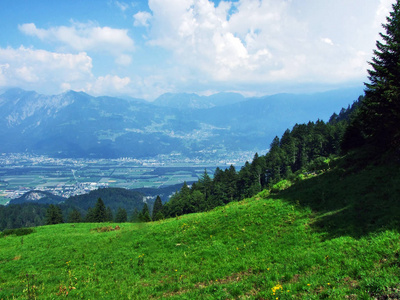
(143, 49)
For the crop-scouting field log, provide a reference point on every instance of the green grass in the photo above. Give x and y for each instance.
(332, 236)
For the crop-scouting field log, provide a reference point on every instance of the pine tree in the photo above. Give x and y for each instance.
(135, 216)
(380, 110)
(74, 216)
(144, 216)
(157, 209)
(121, 215)
(53, 215)
(100, 211)
(90, 216)
(109, 214)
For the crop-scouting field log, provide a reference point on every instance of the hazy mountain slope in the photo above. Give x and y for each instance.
(75, 124)
(194, 101)
(40, 197)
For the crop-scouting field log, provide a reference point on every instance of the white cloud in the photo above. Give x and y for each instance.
(142, 18)
(51, 72)
(266, 41)
(327, 41)
(197, 45)
(25, 66)
(104, 84)
(84, 37)
(121, 5)
(385, 6)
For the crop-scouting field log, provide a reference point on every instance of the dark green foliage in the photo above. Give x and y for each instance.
(109, 214)
(54, 215)
(99, 211)
(157, 209)
(17, 232)
(22, 215)
(144, 215)
(90, 216)
(74, 216)
(135, 216)
(379, 116)
(121, 216)
(112, 197)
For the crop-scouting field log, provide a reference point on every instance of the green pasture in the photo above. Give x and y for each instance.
(265, 247)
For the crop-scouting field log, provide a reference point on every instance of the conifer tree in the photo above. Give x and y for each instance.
(53, 215)
(100, 211)
(144, 216)
(109, 214)
(121, 215)
(135, 216)
(74, 216)
(380, 110)
(157, 209)
(90, 216)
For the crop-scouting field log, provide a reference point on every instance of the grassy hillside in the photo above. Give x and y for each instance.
(331, 236)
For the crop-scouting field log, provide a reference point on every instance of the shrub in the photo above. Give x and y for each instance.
(16, 231)
(281, 185)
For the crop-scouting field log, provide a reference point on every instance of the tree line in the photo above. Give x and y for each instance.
(305, 148)
(371, 123)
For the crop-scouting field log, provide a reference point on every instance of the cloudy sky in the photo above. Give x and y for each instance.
(146, 48)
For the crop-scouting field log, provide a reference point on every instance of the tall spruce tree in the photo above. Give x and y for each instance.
(157, 209)
(380, 110)
(135, 216)
(74, 216)
(121, 215)
(109, 214)
(54, 215)
(100, 214)
(144, 216)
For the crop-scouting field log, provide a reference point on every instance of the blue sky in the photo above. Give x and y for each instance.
(146, 48)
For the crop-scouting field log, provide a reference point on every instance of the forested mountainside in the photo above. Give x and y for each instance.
(306, 149)
(22, 213)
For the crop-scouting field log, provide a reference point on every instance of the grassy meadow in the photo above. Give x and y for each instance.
(331, 236)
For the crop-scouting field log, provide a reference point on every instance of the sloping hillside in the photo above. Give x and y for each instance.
(332, 236)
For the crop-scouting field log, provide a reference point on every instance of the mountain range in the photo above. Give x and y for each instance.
(75, 124)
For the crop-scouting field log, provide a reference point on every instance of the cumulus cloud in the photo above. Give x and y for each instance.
(141, 18)
(26, 66)
(84, 37)
(104, 84)
(268, 41)
(52, 72)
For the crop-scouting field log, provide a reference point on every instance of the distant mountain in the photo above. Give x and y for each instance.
(75, 124)
(194, 101)
(39, 197)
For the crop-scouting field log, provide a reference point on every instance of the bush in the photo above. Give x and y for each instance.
(281, 185)
(16, 231)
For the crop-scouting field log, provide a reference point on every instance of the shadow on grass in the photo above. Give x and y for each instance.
(353, 204)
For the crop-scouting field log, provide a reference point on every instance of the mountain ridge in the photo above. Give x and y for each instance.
(75, 124)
